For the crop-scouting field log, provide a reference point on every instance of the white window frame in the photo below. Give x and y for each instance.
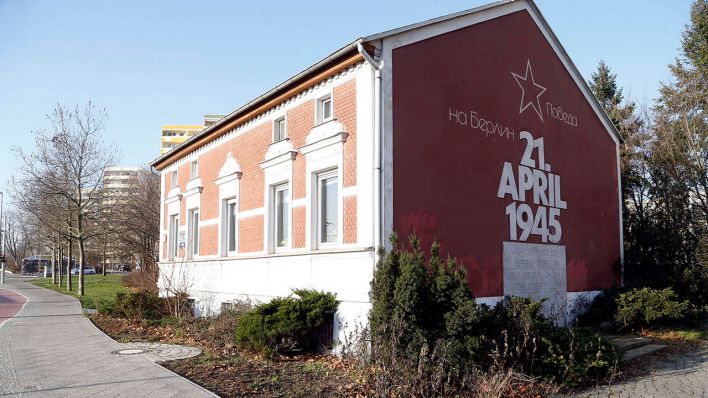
(319, 178)
(275, 217)
(173, 237)
(319, 111)
(227, 224)
(280, 129)
(173, 179)
(194, 169)
(193, 233)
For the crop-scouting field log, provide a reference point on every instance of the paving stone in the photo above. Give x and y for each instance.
(678, 376)
(49, 349)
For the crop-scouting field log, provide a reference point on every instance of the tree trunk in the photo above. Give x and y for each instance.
(103, 259)
(61, 263)
(68, 266)
(81, 267)
(54, 264)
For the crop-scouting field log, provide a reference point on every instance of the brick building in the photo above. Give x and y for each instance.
(474, 129)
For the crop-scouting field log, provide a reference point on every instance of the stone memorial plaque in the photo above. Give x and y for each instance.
(537, 271)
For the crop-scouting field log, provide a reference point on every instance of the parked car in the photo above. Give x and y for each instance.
(122, 267)
(87, 270)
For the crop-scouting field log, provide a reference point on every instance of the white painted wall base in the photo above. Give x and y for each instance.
(210, 283)
(347, 274)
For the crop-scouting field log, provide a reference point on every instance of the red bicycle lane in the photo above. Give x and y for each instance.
(10, 304)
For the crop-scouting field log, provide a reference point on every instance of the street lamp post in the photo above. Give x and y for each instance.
(2, 242)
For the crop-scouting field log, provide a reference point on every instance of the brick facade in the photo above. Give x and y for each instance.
(345, 109)
(350, 219)
(249, 150)
(299, 226)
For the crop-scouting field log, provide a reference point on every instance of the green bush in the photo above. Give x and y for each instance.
(143, 305)
(106, 307)
(646, 306)
(425, 324)
(521, 338)
(575, 357)
(287, 324)
(87, 302)
(423, 306)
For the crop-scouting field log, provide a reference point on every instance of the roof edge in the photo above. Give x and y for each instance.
(402, 29)
(576, 72)
(336, 55)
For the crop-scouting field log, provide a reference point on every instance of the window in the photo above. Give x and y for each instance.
(230, 214)
(279, 130)
(173, 236)
(193, 218)
(281, 209)
(324, 109)
(327, 207)
(194, 170)
(174, 178)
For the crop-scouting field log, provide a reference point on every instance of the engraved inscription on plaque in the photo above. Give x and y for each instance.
(537, 271)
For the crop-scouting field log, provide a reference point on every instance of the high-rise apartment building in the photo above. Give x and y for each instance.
(175, 134)
(117, 181)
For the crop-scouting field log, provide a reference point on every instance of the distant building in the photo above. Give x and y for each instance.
(118, 184)
(117, 181)
(175, 134)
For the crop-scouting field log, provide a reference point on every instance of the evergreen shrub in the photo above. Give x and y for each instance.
(424, 323)
(142, 305)
(646, 306)
(287, 324)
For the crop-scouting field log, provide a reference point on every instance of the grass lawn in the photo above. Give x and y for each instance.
(97, 288)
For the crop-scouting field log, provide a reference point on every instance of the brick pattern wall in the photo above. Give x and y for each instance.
(183, 179)
(208, 240)
(167, 182)
(349, 219)
(299, 121)
(249, 150)
(299, 226)
(345, 112)
(250, 232)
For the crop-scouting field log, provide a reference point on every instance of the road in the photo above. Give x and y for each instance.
(48, 348)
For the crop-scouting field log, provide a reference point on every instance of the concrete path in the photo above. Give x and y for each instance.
(49, 349)
(677, 376)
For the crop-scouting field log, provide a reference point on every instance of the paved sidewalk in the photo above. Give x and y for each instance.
(49, 349)
(675, 377)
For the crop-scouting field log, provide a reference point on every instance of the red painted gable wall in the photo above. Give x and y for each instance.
(453, 94)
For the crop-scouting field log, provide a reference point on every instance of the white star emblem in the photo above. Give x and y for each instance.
(532, 86)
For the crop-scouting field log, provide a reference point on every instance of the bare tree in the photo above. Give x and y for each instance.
(67, 165)
(139, 226)
(17, 237)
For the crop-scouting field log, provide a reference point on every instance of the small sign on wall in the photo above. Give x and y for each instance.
(182, 240)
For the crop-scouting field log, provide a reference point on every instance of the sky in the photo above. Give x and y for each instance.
(150, 63)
